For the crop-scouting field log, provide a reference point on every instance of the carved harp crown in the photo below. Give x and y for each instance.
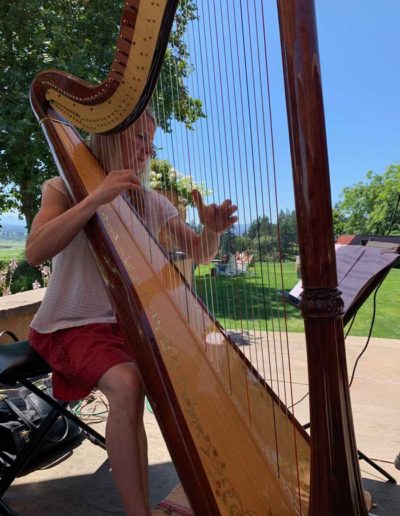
(122, 97)
(237, 448)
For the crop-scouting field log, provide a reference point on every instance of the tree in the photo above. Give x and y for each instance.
(370, 207)
(243, 243)
(227, 244)
(76, 36)
(288, 232)
(260, 227)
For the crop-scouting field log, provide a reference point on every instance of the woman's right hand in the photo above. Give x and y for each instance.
(113, 184)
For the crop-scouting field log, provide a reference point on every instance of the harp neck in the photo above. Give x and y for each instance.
(121, 98)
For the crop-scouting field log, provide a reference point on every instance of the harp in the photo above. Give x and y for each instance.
(237, 447)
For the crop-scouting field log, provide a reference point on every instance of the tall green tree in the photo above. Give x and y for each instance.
(370, 207)
(260, 227)
(288, 232)
(227, 244)
(77, 36)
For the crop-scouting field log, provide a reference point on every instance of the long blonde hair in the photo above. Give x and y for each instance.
(107, 150)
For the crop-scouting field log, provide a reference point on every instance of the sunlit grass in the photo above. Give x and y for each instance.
(252, 301)
(10, 250)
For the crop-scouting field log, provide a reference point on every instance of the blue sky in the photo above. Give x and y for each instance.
(358, 43)
(359, 53)
(359, 50)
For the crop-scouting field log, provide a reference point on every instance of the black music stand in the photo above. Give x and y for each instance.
(360, 300)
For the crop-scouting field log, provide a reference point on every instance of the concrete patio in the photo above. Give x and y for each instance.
(82, 485)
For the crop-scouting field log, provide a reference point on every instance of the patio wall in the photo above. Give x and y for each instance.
(17, 311)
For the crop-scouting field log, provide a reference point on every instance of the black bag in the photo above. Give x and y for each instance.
(21, 412)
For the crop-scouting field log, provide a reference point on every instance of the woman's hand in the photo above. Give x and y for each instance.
(216, 218)
(113, 184)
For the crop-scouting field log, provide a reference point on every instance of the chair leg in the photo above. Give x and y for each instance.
(93, 436)
(28, 451)
(362, 456)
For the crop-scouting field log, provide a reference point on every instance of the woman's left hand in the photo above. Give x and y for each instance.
(215, 217)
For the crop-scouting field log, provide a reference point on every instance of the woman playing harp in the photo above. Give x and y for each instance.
(236, 444)
(75, 329)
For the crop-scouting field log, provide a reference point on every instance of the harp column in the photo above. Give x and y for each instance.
(335, 475)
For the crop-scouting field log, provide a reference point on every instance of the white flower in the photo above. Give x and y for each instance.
(12, 265)
(36, 285)
(45, 270)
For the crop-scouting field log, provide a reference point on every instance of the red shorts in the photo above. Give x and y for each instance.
(80, 356)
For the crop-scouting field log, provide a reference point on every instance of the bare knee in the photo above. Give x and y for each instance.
(122, 387)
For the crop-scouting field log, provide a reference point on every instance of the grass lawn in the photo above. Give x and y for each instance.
(10, 250)
(252, 301)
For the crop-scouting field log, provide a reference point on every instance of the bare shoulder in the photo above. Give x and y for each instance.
(55, 183)
(54, 202)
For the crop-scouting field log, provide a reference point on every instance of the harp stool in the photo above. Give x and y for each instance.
(18, 364)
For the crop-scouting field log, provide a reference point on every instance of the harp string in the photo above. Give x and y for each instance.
(173, 74)
(250, 153)
(280, 338)
(275, 192)
(243, 116)
(226, 180)
(249, 313)
(217, 146)
(196, 145)
(213, 134)
(216, 163)
(278, 334)
(190, 143)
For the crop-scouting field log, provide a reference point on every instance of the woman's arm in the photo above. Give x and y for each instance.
(56, 224)
(215, 219)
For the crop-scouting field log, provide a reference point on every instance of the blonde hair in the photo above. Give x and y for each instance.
(107, 149)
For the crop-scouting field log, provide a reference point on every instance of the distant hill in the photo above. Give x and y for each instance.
(7, 230)
(11, 219)
(12, 228)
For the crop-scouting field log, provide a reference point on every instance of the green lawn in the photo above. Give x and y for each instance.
(252, 301)
(10, 250)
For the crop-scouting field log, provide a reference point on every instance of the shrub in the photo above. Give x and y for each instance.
(24, 277)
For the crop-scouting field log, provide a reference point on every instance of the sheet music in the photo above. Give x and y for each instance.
(356, 266)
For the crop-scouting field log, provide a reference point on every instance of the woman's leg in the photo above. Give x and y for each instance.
(125, 436)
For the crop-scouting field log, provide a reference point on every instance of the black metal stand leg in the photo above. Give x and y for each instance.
(27, 451)
(362, 456)
(93, 436)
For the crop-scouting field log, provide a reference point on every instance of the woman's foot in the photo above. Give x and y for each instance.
(368, 500)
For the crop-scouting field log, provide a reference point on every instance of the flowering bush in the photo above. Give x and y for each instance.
(6, 275)
(165, 178)
(19, 276)
(45, 271)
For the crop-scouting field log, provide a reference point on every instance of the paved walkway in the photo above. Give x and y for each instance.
(82, 484)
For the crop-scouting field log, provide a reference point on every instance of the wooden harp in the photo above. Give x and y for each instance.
(236, 446)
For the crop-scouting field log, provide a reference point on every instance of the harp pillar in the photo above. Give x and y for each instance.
(335, 475)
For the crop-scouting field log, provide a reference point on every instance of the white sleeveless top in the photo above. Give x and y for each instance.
(76, 294)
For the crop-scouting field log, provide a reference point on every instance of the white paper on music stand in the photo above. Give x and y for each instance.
(356, 267)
